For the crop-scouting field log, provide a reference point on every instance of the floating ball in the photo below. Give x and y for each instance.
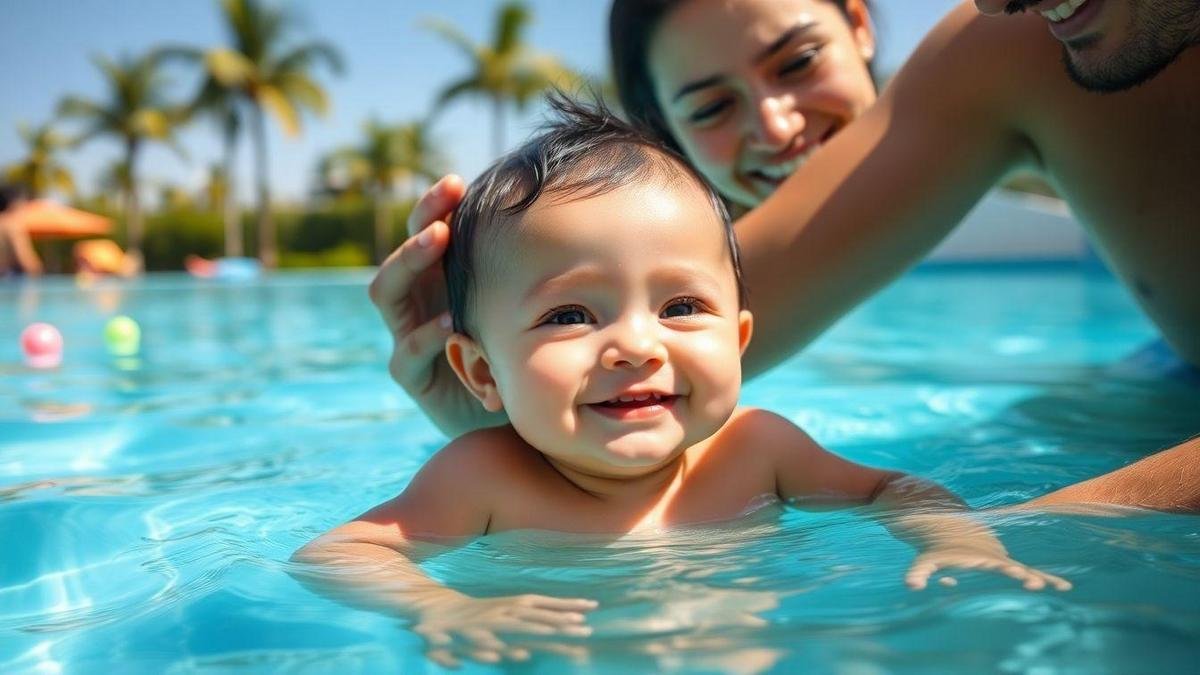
(122, 336)
(42, 345)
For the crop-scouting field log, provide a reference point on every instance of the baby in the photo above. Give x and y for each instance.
(597, 299)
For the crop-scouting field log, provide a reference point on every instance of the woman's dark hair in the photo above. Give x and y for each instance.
(583, 151)
(631, 27)
(9, 194)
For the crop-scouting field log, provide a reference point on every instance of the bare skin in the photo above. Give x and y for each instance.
(886, 189)
(966, 119)
(612, 340)
(491, 480)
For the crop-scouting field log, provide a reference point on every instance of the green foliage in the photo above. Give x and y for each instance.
(346, 220)
(345, 254)
(338, 234)
(172, 234)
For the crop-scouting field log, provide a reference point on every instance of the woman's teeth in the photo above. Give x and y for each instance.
(1064, 11)
(780, 171)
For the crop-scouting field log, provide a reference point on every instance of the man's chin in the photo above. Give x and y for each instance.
(1101, 76)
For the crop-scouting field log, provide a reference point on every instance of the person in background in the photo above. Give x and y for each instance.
(17, 255)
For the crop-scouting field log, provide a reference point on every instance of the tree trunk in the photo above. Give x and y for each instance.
(229, 206)
(383, 225)
(497, 127)
(268, 253)
(133, 215)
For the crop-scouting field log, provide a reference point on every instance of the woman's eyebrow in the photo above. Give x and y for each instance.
(697, 85)
(783, 40)
(767, 52)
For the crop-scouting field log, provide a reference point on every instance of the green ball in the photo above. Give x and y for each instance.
(122, 336)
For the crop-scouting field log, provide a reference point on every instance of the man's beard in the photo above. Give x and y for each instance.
(1154, 42)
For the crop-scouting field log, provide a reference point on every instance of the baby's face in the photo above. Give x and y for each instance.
(610, 327)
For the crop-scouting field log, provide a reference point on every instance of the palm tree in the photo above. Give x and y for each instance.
(389, 155)
(40, 171)
(135, 112)
(221, 104)
(262, 69)
(504, 72)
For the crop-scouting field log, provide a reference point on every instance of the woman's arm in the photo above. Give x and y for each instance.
(409, 290)
(887, 188)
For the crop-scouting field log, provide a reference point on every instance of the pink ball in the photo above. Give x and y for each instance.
(42, 345)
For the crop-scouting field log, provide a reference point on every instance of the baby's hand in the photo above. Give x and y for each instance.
(457, 626)
(978, 558)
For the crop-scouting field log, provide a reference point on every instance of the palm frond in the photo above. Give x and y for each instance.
(281, 108)
(454, 36)
(300, 89)
(308, 55)
(510, 22)
(467, 85)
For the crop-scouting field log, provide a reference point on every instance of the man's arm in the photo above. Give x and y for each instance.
(921, 513)
(1165, 481)
(887, 188)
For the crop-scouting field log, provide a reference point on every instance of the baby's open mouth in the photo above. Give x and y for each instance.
(635, 407)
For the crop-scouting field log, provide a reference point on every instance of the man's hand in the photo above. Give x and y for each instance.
(409, 291)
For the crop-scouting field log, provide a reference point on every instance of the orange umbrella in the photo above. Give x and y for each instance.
(44, 219)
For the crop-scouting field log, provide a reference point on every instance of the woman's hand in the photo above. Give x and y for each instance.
(457, 626)
(409, 291)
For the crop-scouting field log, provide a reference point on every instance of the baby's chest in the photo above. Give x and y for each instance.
(703, 498)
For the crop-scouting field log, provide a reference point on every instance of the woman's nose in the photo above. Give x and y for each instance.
(635, 343)
(777, 123)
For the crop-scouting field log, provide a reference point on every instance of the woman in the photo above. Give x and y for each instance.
(748, 90)
(788, 76)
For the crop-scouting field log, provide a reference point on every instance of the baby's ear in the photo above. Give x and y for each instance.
(469, 362)
(745, 329)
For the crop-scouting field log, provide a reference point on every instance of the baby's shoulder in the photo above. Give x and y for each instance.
(759, 431)
(746, 422)
(490, 454)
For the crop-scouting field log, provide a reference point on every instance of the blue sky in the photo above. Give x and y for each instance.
(394, 70)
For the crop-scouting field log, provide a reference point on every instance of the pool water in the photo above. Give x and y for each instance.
(148, 505)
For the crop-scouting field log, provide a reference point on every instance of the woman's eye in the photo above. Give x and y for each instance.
(799, 63)
(681, 307)
(567, 316)
(710, 111)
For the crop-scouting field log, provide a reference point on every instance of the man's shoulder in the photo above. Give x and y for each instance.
(997, 57)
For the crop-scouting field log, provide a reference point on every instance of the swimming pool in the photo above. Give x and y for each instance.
(148, 506)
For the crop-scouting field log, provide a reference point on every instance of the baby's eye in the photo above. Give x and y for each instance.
(567, 316)
(681, 307)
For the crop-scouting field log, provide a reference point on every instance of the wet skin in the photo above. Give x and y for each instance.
(953, 123)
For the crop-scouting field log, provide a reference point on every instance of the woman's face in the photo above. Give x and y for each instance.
(750, 88)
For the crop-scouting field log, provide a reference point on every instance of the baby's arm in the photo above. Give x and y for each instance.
(371, 562)
(922, 513)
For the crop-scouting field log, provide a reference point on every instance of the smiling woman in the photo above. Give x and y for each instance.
(789, 75)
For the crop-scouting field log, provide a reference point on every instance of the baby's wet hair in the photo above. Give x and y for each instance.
(583, 151)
